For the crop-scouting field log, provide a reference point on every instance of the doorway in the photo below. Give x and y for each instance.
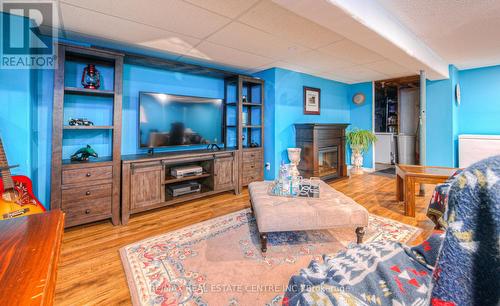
(396, 122)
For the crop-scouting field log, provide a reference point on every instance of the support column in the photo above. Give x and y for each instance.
(423, 124)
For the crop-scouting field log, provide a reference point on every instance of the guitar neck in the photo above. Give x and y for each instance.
(8, 183)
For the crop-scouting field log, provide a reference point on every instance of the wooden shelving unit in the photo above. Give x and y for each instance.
(244, 121)
(86, 191)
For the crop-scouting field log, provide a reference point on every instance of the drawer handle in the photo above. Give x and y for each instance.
(88, 174)
(87, 193)
(252, 166)
(87, 211)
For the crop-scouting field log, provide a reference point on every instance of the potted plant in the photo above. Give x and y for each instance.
(359, 141)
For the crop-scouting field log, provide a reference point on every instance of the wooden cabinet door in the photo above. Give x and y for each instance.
(224, 174)
(146, 185)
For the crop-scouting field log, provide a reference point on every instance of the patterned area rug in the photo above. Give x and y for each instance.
(218, 262)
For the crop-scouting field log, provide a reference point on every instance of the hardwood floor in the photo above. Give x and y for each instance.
(90, 271)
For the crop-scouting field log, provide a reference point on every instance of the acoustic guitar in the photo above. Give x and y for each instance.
(16, 192)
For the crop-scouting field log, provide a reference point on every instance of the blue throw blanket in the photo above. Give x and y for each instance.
(377, 273)
(464, 261)
(468, 269)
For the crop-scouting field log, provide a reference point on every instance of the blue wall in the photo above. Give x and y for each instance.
(269, 76)
(16, 110)
(439, 146)
(362, 116)
(284, 106)
(479, 110)
(15, 118)
(42, 133)
(442, 121)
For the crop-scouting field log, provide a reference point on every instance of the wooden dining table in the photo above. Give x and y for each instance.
(409, 175)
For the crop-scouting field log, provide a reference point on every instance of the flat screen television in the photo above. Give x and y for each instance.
(172, 120)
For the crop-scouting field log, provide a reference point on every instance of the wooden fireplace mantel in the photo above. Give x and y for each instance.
(317, 138)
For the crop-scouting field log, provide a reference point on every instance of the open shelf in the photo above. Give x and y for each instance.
(105, 159)
(172, 180)
(245, 104)
(205, 190)
(245, 126)
(88, 92)
(88, 127)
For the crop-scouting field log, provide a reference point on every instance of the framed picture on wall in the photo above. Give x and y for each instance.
(311, 101)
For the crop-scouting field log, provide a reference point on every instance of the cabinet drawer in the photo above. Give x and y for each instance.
(86, 175)
(81, 210)
(252, 166)
(86, 193)
(251, 176)
(252, 155)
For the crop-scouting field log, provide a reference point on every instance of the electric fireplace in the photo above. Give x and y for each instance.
(323, 150)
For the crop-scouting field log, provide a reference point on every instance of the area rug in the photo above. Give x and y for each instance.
(218, 262)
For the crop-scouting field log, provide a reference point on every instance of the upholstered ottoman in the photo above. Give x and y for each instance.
(331, 210)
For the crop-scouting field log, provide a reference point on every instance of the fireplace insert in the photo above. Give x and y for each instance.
(323, 150)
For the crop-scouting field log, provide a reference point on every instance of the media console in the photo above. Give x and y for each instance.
(146, 178)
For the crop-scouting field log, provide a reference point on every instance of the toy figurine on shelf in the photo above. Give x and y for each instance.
(80, 121)
(84, 153)
(91, 78)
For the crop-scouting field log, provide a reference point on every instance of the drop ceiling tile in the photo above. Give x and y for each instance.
(352, 52)
(272, 18)
(171, 15)
(248, 39)
(387, 67)
(228, 8)
(322, 12)
(104, 26)
(228, 56)
(95, 5)
(318, 61)
(358, 73)
(335, 77)
(288, 66)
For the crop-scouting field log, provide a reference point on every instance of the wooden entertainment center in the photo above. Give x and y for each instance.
(115, 186)
(146, 178)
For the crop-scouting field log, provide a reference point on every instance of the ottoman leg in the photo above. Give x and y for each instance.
(263, 242)
(360, 232)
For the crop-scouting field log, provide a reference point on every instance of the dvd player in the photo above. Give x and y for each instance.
(185, 171)
(184, 188)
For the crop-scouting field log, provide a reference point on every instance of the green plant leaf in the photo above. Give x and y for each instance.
(361, 139)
